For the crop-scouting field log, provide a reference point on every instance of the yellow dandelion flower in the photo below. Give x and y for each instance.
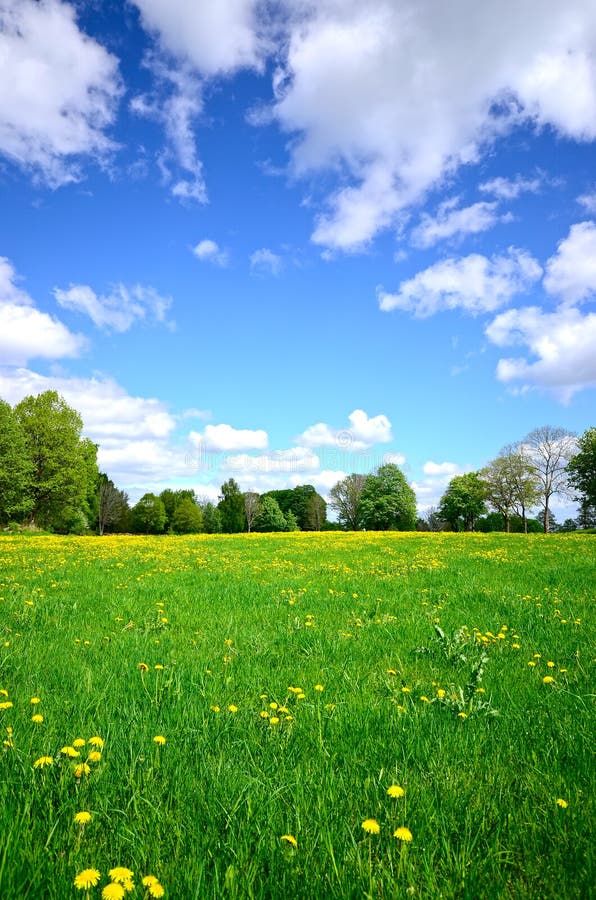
(78, 742)
(319, 687)
(562, 803)
(113, 891)
(371, 826)
(440, 693)
(424, 699)
(37, 718)
(274, 720)
(156, 890)
(35, 700)
(290, 839)
(283, 709)
(82, 769)
(405, 689)
(550, 664)
(273, 705)
(300, 696)
(42, 762)
(82, 818)
(70, 751)
(6, 705)
(3, 692)
(94, 756)
(232, 708)
(548, 679)
(120, 873)
(159, 739)
(158, 667)
(142, 667)
(96, 741)
(516, 646)
(462, 715)
(128, 885)
(531, 663)
(148, 880)
(403, 834)
(214, 708)
(264, 714)
(86, 879)
(395, 790)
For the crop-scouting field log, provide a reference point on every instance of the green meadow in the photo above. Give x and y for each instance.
(253, 700)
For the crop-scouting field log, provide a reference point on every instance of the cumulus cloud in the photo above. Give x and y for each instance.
(473, 283)
(59, 90)
(511, 188)
(210, 251)
(444, 468)
(118, 310)
(296, 459)
(363, 432)
(588, 201)
(265, 260)
(26, 332)
(562, 345)
(225, 438)
(571, 272)
(391, 96)
(454, 221)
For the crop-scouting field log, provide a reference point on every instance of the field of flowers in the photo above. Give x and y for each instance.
(304, 715)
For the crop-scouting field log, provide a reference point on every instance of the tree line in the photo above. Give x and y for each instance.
(49, 478)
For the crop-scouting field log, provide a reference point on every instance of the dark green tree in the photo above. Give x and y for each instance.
(582, 468)
(187, 518)
(387, 502)
(291, 521)
(172, 499)
(149, 515)
(211, 517)
(231, 508)
(16, 468)
(463, 502)
(269, 516)
(112, 505)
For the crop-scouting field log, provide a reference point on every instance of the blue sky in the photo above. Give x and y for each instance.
(287, 241)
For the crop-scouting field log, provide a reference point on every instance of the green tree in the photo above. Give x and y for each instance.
(582, 469)
(500, 488)
(344, 498)
(62, 467)
(463, 502)
(387, 501)
(211, 517)
(172, 499)
(187, 518)
(523, 480)
(316, 513)
(16, 468)
(291, 521)
(149, 515)
(231, 508)
(112, 504)
(550, 450)
(269, 516)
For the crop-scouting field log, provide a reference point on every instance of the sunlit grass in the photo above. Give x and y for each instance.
(241, 705)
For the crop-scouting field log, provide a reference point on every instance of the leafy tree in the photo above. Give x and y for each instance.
(582, 468)
(550, 451)
(269, 516)
(587, 515)
(463, 502)
(149, 515)
(500, 486)
(387, 501)
(172, 499)
(291, 521)
(344, 498)
(211, 517)
(434, 520)
(316, 513)
(310, 514)
(251, 508)
(16, 468)
(522, 479)
(62, 464)
(187, 518)
(231, 508)
(112, 504)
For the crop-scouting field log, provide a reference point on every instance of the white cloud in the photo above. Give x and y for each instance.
(120, 309)
(25, 331)
(588, 201)
(395, 96)
(265, 260)
(296, 459)
(571, 272)
(444, 468)
(363, 432)
(451, 221)
(511, 188)
(225, 438)
(396, 459)
(209, 251)
(473, 283)
(563, 344)
(58, 90)
(215, 38)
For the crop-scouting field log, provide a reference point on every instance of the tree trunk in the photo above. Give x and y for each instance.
(507, 523)
(546, 522)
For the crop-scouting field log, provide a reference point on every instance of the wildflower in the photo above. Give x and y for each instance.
(319, 687)
(96, 742)
(562, 803)
(94, 756)
(37, 718)
(403, 834)
(548, 679)
(120, 873)
(86, 879)
(531, 663)
(156, 890)
(232, 708)
(159, 739)
(148, 880)
(42, 762)
(70, 751)
(78, 742)
(113, 891)
(214, 708)
(300, 696)
(264, 714)
(462, 715)
(395, 790)
(158, 667)
(290, 839)
(274, 720)
(424, 699)
(35, 700)
(405, 689)
(143, 667)
(273, 705)
(82, 818)
(6, 705)
(371, 826)
(82, 769)
(440, 693)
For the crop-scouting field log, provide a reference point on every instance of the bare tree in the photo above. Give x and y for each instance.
(344, 498)
(512, 483)
(549, 450)
(112, 504)
(251, 508)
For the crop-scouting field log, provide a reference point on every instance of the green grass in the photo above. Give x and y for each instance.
(394, 618)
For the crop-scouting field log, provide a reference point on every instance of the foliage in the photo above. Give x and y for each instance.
(112, 505)
(387, 502)
(187, 517)
(149, 515)
(581, 469)
(463, 502)
(171, 500)
(269, 516)
(345, 500)
(231, 508)
(211, 517)
(305, 503)
(16, 468)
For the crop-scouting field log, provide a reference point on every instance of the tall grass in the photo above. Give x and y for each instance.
(303, 675)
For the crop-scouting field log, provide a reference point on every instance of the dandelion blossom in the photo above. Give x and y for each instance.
(403, 834)
(35, 700)
(94, 756)
(120, 873)
(395, 790)
(290, 839)
(548, 679)
(86, 879)
(42, 762)
(232, 708)
(371, 826)
(156, 890)
(6, 705)
(78, 742)
(83, 818)
(96, 741)
(113, 891)
(70, 751)
(159, 739)
(319, 687)
(562, 803)
(148, 880)
(37, 718)
(82, 769)
(142, 667)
